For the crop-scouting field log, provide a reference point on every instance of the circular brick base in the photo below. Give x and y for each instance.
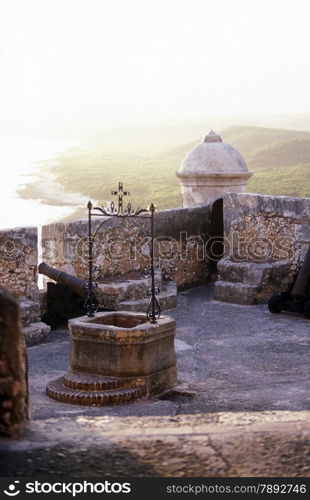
(92, 390)
(87, 382)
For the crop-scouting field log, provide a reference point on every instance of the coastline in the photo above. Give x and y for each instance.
(30, 194)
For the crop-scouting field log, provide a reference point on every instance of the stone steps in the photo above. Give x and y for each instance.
(238, 293)
(94, 390)
(252, 273)
(34, 330)
(29, 311)
(167, 299)
(134, 294)
(111, 294)
(250, 283)
(36, 333)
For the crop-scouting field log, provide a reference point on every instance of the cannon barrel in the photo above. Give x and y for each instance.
(77, 285)
(303, 277)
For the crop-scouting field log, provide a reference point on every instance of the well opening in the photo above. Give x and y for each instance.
(120, 320)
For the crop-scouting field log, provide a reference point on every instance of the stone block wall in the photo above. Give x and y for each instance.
(263, 228)
(18, 261)
(122, 248)
(14, 409)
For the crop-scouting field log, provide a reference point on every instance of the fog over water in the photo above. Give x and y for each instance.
(21, 159)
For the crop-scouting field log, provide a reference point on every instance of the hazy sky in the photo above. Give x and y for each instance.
(128, 61)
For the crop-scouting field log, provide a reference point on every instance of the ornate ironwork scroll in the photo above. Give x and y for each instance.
(121, 211)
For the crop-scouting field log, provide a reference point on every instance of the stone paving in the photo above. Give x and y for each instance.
(241, 407)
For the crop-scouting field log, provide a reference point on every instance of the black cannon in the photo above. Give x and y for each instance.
(297, 298)
(65, 298)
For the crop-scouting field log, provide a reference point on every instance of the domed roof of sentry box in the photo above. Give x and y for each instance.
(213, 155)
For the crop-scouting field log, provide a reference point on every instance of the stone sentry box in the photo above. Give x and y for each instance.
(117, 357)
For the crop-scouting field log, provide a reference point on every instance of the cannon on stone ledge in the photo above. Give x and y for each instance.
(65, 298)
(297, 298)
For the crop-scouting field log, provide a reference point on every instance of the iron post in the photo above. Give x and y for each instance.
(90, 311)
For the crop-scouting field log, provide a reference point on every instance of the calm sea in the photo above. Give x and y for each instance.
(20, 159)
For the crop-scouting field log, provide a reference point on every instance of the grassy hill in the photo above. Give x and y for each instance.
(290, 181)
(247, 140)
(280, 159)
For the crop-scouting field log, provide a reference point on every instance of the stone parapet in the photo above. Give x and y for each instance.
(263, 228)
(266, 239)
(18, 261)
(121, 248)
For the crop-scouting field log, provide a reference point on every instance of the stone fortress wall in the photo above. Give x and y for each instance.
(258, 230)
(266, 239)
(19, 274)
(262, 228)
(19, 261)
(121, 248)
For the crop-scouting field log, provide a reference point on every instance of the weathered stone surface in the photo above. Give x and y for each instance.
(18, 261)
(117, 357)
(266, 238)
(260, 228)
(18, 269)
(250, 283)
(133, 294)
(167, 299)
(237, 293)
(13, 367)
(121, 248)
(36, 333)
(236, 444)
(124, 344)
(126, 288)
(251, 272)
(29, 311)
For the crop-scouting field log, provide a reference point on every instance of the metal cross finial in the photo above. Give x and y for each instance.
(120, 191)
(120, 194)
(120, 210)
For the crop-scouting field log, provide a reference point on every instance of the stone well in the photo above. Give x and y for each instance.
(117, 357)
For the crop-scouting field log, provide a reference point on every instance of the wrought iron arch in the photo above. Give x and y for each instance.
(129, 214)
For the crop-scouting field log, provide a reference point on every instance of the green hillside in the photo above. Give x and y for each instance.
(247, 140)
(280, 154)
(148, 178)
(279, 158)
(290, 181)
